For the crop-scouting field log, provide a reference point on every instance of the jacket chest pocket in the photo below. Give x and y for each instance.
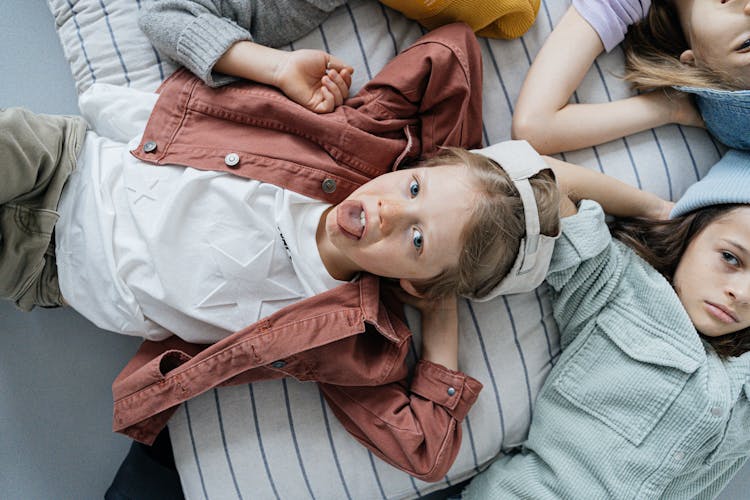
(736, 440)
(627, 395)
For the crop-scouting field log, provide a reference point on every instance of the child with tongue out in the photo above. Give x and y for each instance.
(239, 210)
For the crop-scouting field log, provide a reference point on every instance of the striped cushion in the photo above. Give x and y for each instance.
(278, 439)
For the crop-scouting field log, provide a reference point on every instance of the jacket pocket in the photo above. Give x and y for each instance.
(736, 440)
(607, 383)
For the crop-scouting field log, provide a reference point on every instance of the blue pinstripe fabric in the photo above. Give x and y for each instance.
(323, 37)
(114, 43)
(508, 100)
(195, 450)
(333, 447)
(225, 445)
(690, 152)
(259, 436)
(80, 39)
(664, 163)
(294, 437)
(470, 435)
(384, 10)
(359, 41)
(520, 352)
(493, 383)
(377, 476)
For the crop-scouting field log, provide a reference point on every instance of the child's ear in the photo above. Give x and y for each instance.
(409, 288)
(687, 57)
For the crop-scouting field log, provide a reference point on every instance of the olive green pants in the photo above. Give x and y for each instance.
(37, 154)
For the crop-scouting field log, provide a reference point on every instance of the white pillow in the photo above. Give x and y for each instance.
(103, 43)
(278, 439)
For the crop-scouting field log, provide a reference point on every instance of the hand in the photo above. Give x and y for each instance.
(682, 109)
(660, 210)
(314, 79)
(426, 307)
(439, 326)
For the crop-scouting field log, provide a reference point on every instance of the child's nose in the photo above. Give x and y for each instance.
(393, 215)
(739, 290)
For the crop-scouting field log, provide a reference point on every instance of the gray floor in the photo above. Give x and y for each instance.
(55, 367)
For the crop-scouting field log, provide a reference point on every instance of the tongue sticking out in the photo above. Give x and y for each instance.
(349, 218)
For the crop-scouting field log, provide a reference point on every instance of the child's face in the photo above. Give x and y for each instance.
(718, 32)
(713, 276)
(404, 224)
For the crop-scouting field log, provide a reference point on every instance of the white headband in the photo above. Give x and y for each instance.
(520, 161)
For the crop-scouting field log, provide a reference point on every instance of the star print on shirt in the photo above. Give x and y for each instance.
(142, 189)
(246, 285)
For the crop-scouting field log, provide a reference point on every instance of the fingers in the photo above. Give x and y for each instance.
(346, 74)
(339, 65)
(340, 81)
(336, 85)
(340, 73)
(326, 102)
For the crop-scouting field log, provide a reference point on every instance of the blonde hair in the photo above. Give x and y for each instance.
(492, 237)
(652, 54)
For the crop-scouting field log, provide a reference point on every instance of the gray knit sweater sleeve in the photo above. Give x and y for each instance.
(196, 33)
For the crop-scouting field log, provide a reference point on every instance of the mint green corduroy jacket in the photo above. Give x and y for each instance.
(637, 406)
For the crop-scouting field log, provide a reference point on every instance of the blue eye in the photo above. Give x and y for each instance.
(730, 259)
(417, 239)
(414, 188)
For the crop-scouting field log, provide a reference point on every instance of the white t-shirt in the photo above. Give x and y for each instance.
(158, 250)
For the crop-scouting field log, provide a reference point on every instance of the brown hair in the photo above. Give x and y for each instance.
(662, 243)
(492, 237)
(652, 54)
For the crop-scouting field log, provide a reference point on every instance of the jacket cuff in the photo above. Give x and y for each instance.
(204, 41)
(455, 391)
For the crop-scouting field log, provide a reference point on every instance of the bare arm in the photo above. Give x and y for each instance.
(546, 119)
(440, 332)
(312, 78)
(439, 326)
(616, 198)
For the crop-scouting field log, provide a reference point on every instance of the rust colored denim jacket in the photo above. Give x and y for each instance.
(352, 340)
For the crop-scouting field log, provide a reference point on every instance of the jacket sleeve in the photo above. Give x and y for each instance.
(585, 271)
(435, 84)
(417, 427)
(196, 33)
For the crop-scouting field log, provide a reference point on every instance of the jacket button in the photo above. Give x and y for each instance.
(232, 159)
(329, 186)
(451, 391)
(278, 364)
(149, 147)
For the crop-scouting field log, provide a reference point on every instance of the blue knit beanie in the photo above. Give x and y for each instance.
(726, 113)
(727, 182)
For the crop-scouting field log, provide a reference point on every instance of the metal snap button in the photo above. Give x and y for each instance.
(149, 147)
(451, 391)
(329, 186)
(278, 364)
(232, 159)
(716, 411)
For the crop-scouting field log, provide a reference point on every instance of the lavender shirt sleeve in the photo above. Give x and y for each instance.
(611, 18)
